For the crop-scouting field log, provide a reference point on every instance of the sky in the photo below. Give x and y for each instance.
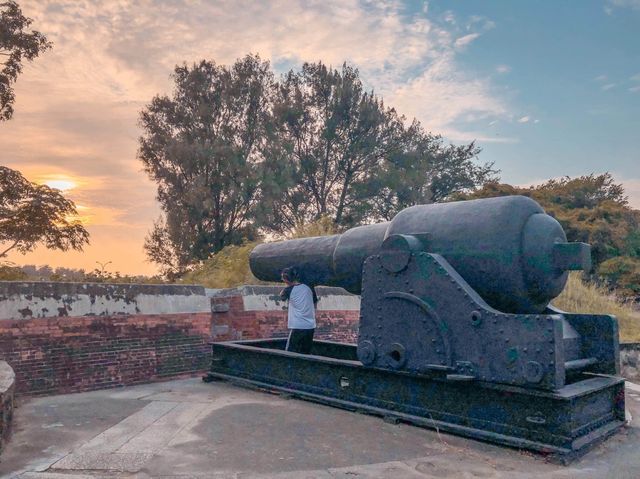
(546, 89)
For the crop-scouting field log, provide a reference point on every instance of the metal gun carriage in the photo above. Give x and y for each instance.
(456, 330)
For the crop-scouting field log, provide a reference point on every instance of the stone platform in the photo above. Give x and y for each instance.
(189, 429)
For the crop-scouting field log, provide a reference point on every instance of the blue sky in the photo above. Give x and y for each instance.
(545, 88)
(573, 70)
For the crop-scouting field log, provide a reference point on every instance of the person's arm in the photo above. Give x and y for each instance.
(285, 293)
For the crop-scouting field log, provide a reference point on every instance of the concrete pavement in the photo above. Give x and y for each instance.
(188, 429)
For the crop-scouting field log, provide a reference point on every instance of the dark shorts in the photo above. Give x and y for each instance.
(300, 340)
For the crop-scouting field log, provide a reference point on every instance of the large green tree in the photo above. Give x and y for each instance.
(203, 147)
(343, 154)
(235, 153)
(17, 44)
(31, 214)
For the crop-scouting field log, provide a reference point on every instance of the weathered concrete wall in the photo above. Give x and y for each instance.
(7, 387)
(253, 312)
(25, 300)
(630, 361)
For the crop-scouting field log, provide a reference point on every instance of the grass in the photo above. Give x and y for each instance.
(581, 297)
(227, 269)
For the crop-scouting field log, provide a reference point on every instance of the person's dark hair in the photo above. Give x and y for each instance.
(293, 275)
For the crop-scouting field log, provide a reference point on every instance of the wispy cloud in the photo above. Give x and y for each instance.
(608, 86)
(601, 78)
(78, 104)
(524, 119)
(503, 69)
(632, 4)
(466, 40)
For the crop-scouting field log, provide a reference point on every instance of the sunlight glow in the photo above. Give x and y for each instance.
(60, 184)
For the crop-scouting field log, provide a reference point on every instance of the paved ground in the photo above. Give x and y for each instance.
(189, 429)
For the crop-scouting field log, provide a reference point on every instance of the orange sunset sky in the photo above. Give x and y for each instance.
(77, 105)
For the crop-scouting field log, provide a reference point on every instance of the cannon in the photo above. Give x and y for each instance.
(456, 327)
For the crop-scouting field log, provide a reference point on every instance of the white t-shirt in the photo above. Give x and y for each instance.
(301, 314)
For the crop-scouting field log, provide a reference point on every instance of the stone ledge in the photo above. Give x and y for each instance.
(630, 360)
(7, 387)
(26, 300)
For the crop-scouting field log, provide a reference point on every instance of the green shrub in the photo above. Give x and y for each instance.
(622, 273)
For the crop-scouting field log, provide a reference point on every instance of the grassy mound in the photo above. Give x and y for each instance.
(581, 297)
(227, 269)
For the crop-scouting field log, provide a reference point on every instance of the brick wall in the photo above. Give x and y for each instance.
(67, 354)
(253, 312)
(116, 335)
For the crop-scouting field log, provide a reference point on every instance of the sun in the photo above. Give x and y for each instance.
(62, 185)
(57, 181)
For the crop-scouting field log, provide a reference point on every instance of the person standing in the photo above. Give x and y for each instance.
(301, 314)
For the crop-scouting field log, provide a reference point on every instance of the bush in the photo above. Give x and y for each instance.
(11, 273)
(229, 267)
(226, 269)
(622, 273)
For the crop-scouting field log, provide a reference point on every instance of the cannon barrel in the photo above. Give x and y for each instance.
(507, 249)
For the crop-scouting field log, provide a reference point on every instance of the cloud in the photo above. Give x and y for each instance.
(78, 104)
(634, 89)
(632, 190)
(608, 86)
(449, 17)
(524, 119)
(465, 40)
(632, 4)
(503, 69)
(600, 78)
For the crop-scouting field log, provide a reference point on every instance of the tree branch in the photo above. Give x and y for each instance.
(4, 253)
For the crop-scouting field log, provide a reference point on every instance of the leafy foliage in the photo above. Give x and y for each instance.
(202, 147)
(347, 156)
(9, 272)
(236, 154)
(323, 226)
(32, 214)
(623, 273)
(229, 267)
(16, 45)
(30, 272)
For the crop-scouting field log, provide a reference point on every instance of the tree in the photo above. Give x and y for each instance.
(427, 171)
(623, 273)
(235, 154)
(16, 45)
(351, 158)
(32, 214)
(203, 148)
